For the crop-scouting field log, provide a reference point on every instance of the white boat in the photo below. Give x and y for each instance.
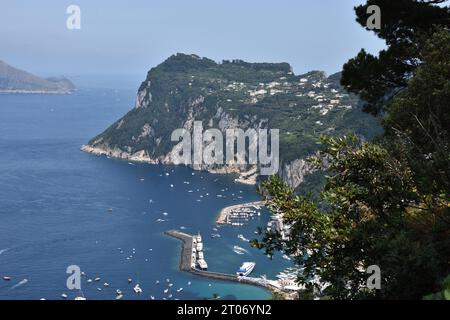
(246, 269)
(80, 298)
(167, 290)
(137, 289)
(202, 264)
(7, 278)
(119, 296)
(180, 289)
(64, 296)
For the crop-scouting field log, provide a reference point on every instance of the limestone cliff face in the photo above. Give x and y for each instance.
(294, 173)
(248, 174)
(232, 95)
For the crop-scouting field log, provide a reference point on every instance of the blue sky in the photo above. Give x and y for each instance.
(129, 37)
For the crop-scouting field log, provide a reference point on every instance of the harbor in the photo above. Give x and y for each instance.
(238, 214)
(189, 262)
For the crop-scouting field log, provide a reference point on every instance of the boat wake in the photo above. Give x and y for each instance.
(239, 250)
(243, 238)
(19, 284)
(3, 250)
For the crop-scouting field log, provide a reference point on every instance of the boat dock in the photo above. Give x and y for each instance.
(187, 262)
(227, 212)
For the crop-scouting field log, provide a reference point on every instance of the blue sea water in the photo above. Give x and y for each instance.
(55, 200)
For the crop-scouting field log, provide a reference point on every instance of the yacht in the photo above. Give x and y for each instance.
(202, 264)
(245, 269)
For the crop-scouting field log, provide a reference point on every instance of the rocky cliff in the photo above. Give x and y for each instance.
(229, 95)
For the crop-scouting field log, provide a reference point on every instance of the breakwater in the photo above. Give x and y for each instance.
(187, 261)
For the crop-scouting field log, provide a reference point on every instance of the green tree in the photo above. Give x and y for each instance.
(385, 203)
(404, 25)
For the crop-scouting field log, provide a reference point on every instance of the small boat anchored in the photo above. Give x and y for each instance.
(137, 289)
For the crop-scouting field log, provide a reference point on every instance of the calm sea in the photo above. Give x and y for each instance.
(55, 201)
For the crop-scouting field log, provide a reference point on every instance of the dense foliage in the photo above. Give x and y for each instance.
(404, 25)
(386, 202)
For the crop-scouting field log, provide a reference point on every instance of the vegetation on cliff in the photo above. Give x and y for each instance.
(235, 94)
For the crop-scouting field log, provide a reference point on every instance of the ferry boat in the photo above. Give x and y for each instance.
(245, 269)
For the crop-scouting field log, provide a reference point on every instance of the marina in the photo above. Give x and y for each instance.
(189, 263)
(238, 214)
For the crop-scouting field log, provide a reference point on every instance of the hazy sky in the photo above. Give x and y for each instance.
(130, 37)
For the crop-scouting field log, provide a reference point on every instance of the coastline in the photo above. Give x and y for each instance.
(245, 177)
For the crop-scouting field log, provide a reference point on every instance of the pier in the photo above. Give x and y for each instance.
(226, 212)
(186, 263)
(186, 256)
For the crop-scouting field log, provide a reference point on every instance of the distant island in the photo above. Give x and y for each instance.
(14, 80)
